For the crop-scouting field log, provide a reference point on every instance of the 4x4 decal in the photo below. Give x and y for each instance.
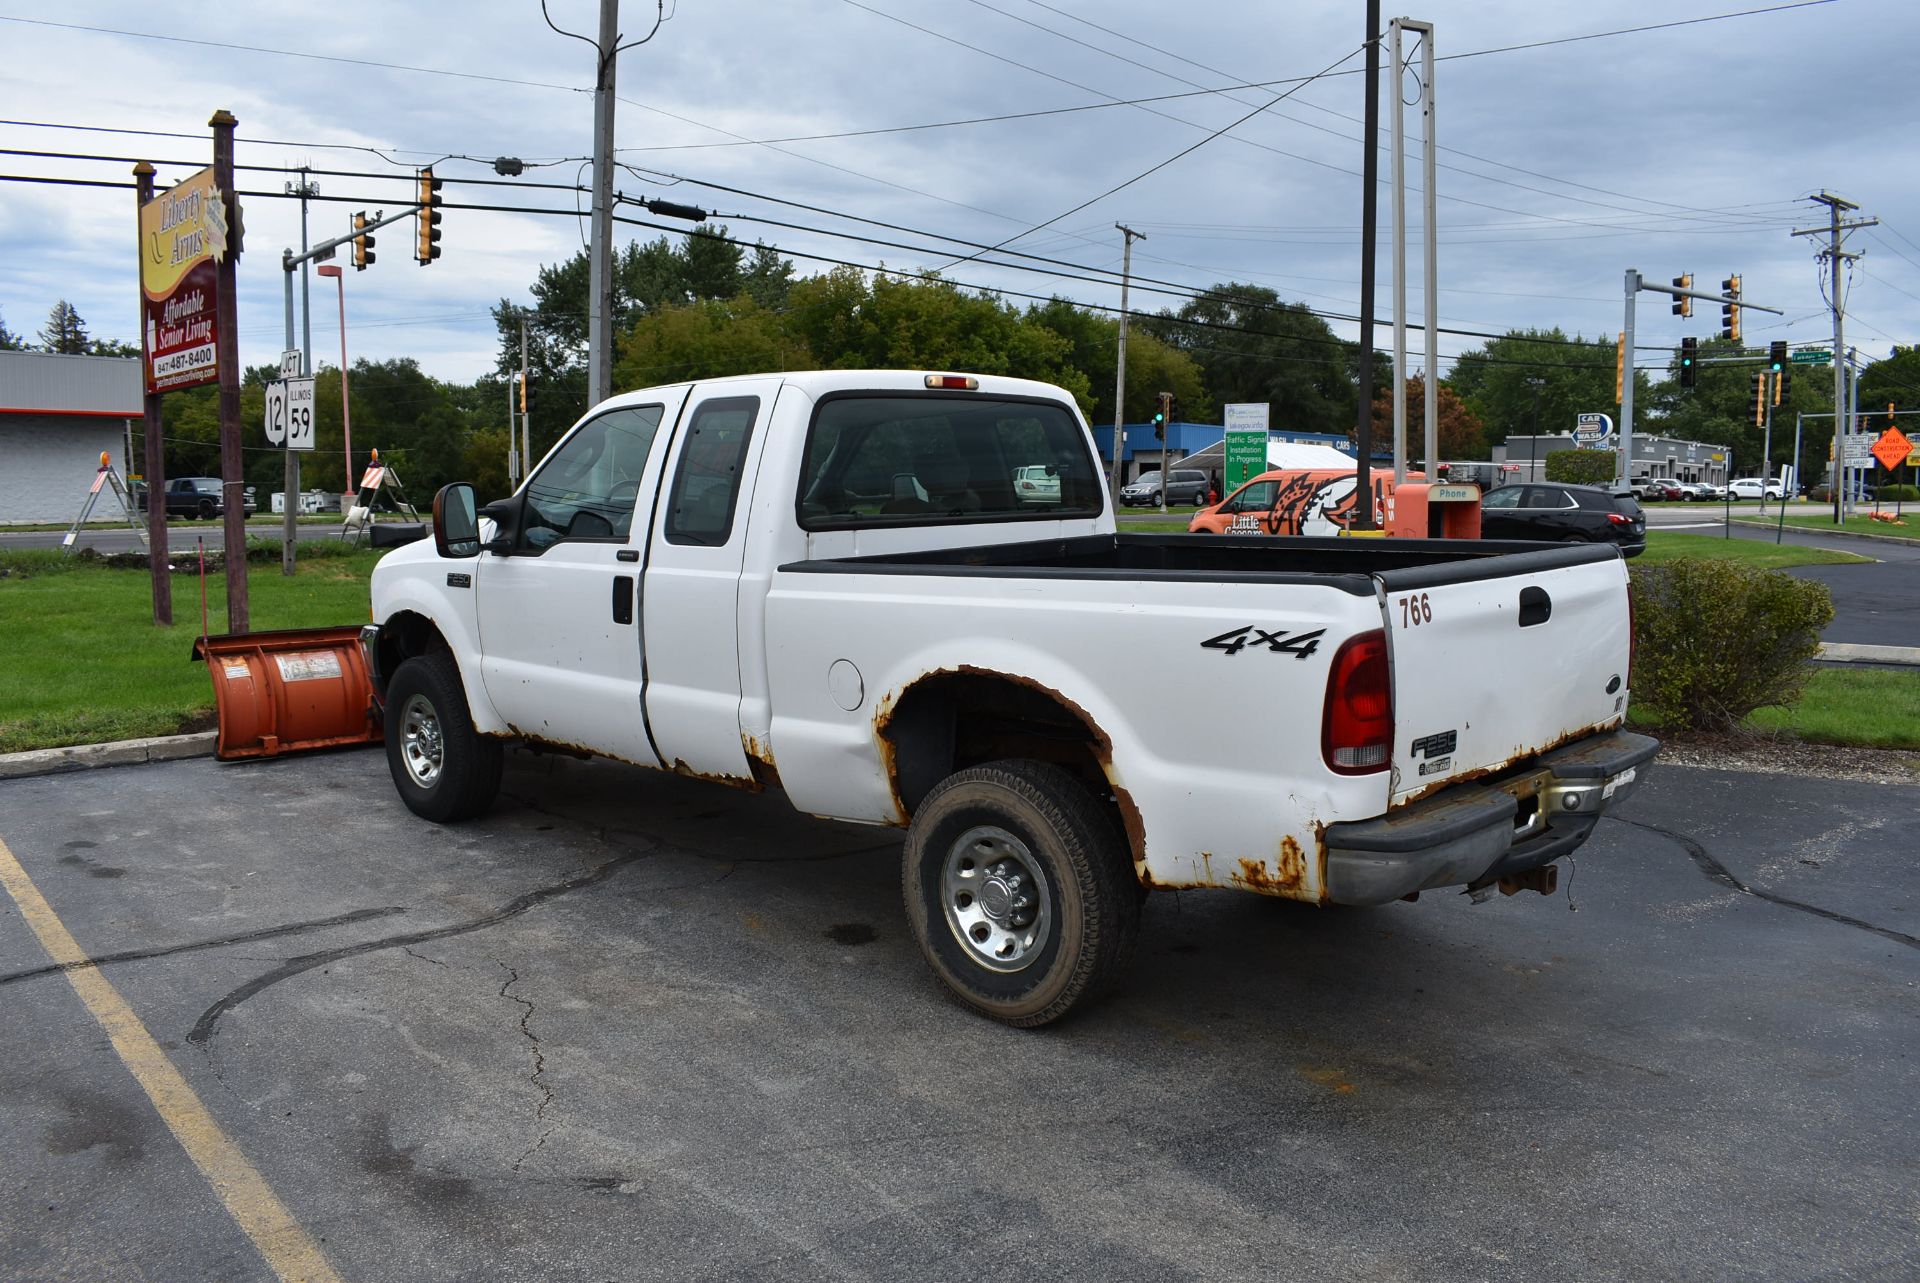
(1298, 645)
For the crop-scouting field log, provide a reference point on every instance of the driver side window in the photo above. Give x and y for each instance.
(1508, 497)
(586, 490)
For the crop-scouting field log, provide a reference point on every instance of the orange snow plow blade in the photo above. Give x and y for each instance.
(289, 691)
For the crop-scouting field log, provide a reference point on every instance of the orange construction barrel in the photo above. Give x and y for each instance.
(290, 690)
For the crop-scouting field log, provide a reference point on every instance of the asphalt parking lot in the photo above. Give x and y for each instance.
(630, 1027)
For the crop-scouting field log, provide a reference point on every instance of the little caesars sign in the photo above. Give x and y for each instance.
(183, 235)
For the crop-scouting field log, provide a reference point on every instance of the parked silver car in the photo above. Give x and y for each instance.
(1188, 487)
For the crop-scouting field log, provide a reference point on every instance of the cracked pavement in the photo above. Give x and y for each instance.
(632, 1027)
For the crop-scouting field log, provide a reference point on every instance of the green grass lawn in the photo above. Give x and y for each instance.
(1665, 545)
(1868, 707)
(1822, 519)
(82, 662)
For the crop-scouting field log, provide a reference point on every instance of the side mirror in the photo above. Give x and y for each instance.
(456, 527)
(504, 514)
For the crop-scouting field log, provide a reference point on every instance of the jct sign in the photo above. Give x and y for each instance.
(183, 234)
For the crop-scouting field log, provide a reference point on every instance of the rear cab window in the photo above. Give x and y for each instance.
(706, 484)
(892, 459)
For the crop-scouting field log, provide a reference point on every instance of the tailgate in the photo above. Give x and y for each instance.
(1497, 659)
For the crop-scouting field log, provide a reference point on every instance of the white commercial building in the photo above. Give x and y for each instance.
(57, 415)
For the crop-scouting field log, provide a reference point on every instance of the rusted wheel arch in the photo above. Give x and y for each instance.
(957, 718)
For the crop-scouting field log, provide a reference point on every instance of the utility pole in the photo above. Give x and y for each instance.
(233, 476)
(1369, 205)
(1120, 373)
(290, 473)
(1835, 231)
(526, 427)
(152, 444)
(1429, 240)
(600, 253)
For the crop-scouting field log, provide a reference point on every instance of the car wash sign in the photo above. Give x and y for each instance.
(183, 237)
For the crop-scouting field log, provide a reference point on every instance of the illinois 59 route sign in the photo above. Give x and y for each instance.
(289, 420)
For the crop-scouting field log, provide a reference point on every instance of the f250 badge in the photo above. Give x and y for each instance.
(1279, 642)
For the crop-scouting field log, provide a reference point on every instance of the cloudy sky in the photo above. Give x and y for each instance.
(1573, 147)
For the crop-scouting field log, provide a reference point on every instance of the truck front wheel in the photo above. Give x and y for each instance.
(1021, 898)
(442, 767)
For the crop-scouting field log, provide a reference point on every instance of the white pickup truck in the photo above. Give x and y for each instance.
(829, 583)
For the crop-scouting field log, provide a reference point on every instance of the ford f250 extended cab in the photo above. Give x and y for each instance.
(830, 583)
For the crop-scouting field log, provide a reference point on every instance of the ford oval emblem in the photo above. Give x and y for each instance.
(1613, 685)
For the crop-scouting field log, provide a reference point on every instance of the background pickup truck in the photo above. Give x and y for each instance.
(731, 580)
(196, 497)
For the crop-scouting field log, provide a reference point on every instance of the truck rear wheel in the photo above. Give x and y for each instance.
(1021, 898)
(442, 767)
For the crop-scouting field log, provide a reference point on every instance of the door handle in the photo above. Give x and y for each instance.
(1535, 606)
(623, 599)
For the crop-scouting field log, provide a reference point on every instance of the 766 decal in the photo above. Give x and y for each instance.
(1298, 645)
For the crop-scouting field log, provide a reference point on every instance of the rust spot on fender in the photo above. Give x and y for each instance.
(1287, 877)
(679, 767)
(760, 761)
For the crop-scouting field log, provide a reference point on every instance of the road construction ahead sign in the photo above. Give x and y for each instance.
(1892, 448)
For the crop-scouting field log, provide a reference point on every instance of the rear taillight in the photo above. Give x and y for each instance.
(1356, 727)
(1619, 520)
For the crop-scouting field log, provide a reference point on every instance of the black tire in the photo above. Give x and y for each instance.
(206, 510)
(1575, 539)
(443, 769)
(1062, 930)
(1154, 502)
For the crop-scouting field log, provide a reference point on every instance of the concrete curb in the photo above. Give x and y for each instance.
(1835, 534)
(1858, 653)
(84, 757)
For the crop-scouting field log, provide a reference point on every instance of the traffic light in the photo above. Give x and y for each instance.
(1689, 350)
(1683, 306)
(1777, 355)
(1782, 383)
(1160, 417)
(1730, 310)
(362, 243)
(1620, 368)
(1759, 398)
(429, 201)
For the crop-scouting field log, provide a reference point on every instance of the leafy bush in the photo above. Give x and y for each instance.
(1718, 639)
(1908, 494)
(1581, 467)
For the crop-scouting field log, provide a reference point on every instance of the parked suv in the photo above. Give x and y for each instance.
(1189, 486)
(1753, 487)
(1564, 514)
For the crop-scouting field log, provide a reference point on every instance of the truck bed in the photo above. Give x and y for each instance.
(1348, 564)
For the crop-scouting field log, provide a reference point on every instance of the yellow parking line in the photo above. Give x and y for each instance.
(288, 1248)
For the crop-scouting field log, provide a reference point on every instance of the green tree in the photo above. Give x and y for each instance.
(1719, 408)
(1537, 382)
(9, 341)
(646, 276)
(706, 340)
(1152, 366)
(64, 331)
(1582, 467)
(1250, 346)
(895, 322)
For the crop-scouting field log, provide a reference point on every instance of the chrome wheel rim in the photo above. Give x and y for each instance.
(421, 746)
(996, 899)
